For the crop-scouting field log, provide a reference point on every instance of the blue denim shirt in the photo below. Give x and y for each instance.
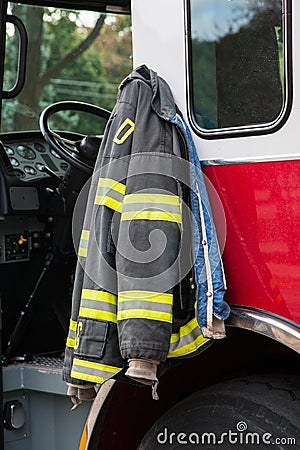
(208, 267)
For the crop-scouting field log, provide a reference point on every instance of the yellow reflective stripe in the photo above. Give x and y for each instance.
(144, 314)
(71, 335)
(187, 340)
(73, 325)
(97, 366)
(149, 296)
(152, 198)
(141, 298)
(112, 184)
(97, 304)
(82, 252)
(189, 348)
(70, 342)
(126, 134)
(105, 200)
(151, 215)
(91, 371)
(98, 313)
(85, 235)
(92, 294)
(90, 313)
(143, 305)
(88, 377)
(184, 331)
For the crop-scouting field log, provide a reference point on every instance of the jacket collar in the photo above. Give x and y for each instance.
(162, 99)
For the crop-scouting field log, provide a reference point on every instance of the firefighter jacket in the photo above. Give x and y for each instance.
(147, 237)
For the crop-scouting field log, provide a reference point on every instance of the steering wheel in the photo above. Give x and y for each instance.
(66, 148)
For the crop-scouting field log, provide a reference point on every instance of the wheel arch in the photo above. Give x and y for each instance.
(267, 324)
(119, 417)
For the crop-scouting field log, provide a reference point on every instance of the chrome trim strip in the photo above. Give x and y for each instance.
(254, 160)
(272, 327)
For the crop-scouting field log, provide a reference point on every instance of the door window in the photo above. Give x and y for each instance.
(238, 59)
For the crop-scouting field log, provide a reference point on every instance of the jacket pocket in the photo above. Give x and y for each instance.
(90, 338)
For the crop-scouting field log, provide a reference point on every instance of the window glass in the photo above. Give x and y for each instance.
(237, 55)
(10, 76)
(72, 55)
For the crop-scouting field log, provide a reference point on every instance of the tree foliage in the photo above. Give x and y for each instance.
(71, 56)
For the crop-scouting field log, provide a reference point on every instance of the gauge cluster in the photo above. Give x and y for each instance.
(29, 159)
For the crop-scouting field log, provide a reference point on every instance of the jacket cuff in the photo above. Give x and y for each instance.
(216, 330)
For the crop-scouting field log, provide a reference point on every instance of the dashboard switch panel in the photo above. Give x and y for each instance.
(16, 248)
(18, 234)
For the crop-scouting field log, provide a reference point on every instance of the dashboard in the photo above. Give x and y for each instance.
(36, 239)
(28, 159)
(28, 200)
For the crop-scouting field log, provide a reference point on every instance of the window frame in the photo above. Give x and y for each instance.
(243, 130)
(113, 6)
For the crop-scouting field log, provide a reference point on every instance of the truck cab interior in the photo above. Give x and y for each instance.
(60, 70)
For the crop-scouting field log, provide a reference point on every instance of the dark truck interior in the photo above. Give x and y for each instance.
(41, 174)
(40, 182)
(60, 67)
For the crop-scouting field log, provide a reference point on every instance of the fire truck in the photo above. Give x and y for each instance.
(233, 67)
